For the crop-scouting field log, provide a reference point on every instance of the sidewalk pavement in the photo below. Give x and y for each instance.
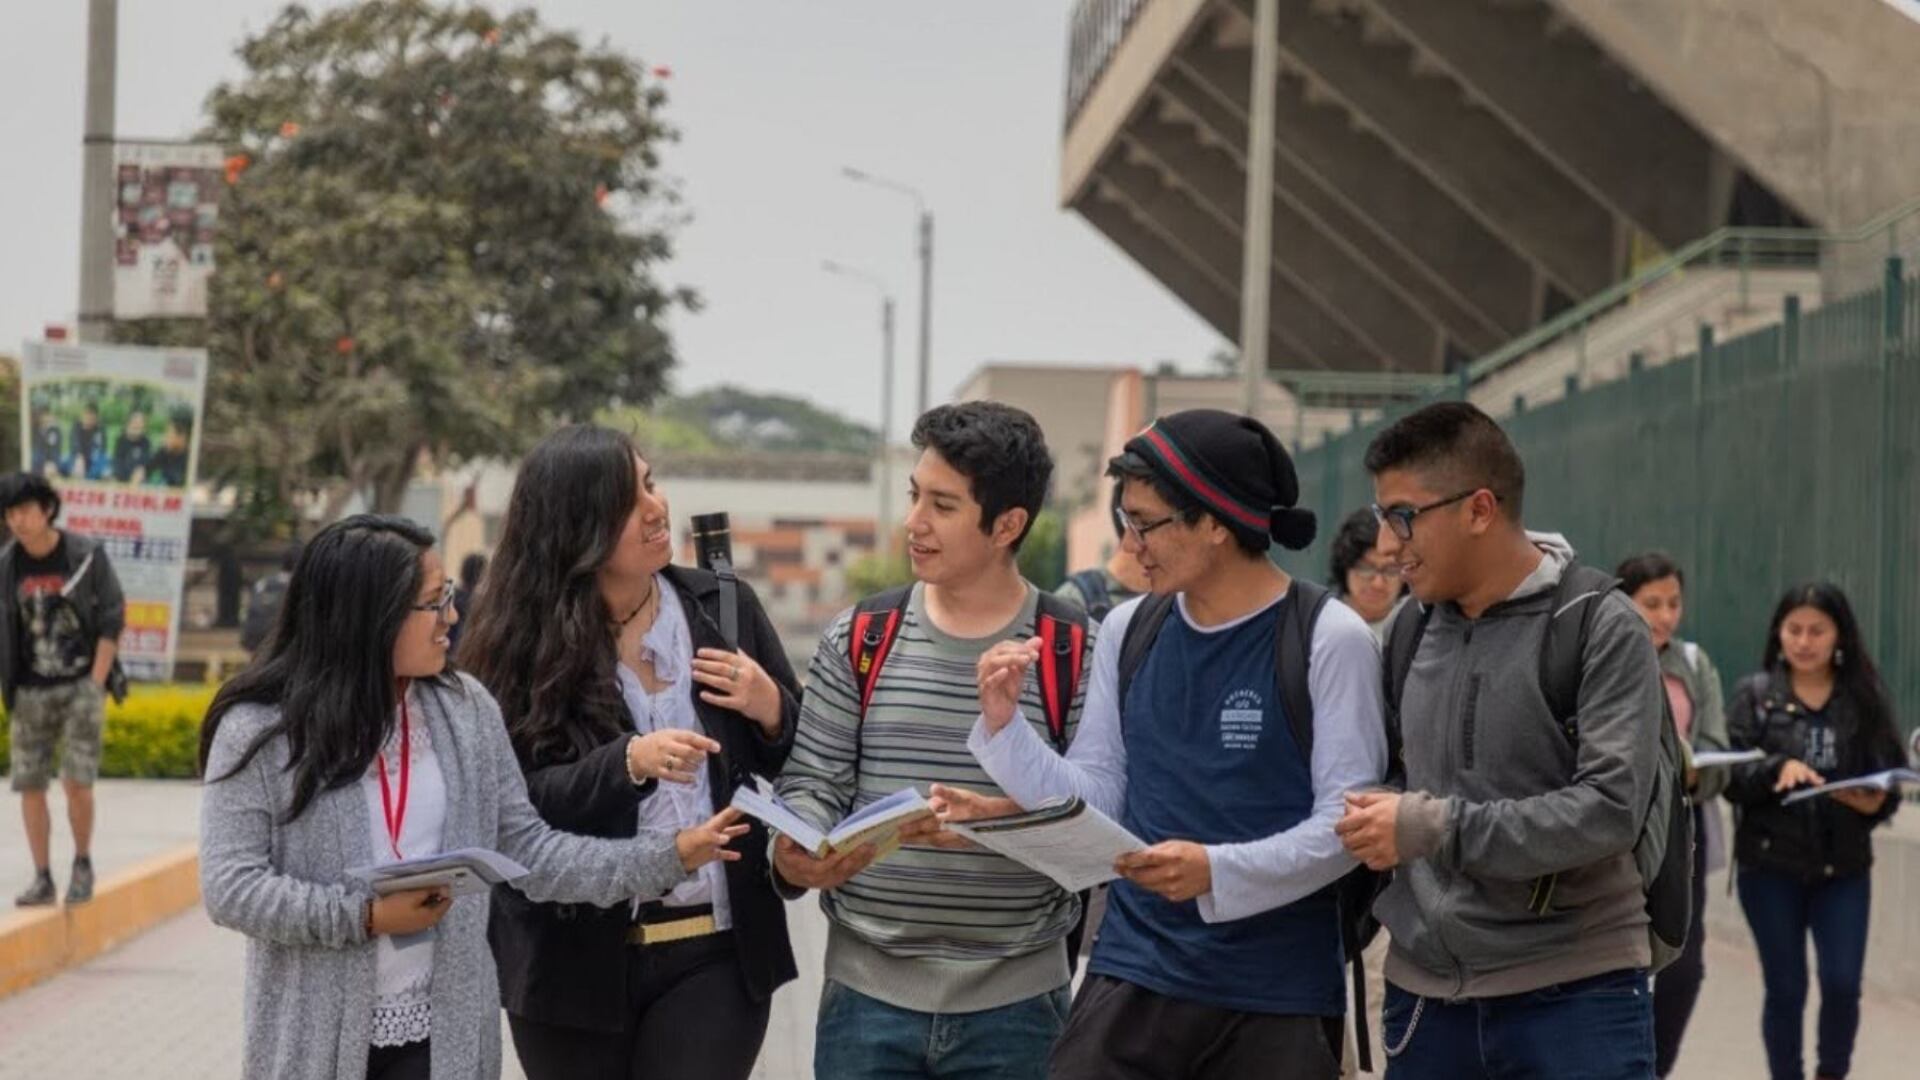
(169, 1004)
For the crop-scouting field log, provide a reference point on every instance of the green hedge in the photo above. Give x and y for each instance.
(154, 734)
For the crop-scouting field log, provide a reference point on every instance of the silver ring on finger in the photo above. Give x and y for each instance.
(736, 673)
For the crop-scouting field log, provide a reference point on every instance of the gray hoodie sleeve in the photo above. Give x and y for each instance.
(1595, 817)
(564, 867)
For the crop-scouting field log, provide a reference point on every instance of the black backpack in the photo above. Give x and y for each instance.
(1293, 647)
(1093, 587)
(1663, 853)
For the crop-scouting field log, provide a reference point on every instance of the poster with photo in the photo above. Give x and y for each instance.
(117, 430)
(166, 207)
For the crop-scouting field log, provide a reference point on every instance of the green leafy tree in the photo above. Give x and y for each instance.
(440, 239)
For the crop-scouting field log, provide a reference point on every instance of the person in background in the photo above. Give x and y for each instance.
(264, 599)
(1361, 576)
(61, 614)
(1102, 588)
(1654, 583)
(350, 744)
(1366, 581)
(471, 569)
(1819, 711)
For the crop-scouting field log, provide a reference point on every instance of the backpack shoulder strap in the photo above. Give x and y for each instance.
(1563, 648)
(1403, 641)
(1062, 627)
(870, 637)
(1141, 630)
(1293, 647)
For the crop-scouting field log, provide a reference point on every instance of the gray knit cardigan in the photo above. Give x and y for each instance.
(310, 965)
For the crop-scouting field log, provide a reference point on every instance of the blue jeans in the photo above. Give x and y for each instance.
(1782, 910)
(1590, 1029)
(861, 1038)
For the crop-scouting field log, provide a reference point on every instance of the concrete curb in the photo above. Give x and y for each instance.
(36, 945)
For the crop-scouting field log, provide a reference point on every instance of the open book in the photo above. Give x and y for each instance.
(1889, 780)
(878, 823)
(468, 870)
(1065, 839)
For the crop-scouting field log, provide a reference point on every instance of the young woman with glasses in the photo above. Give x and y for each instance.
(349, 744)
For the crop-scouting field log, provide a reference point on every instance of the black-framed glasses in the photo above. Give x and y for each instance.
(1400, 518)
(441, 606)
(1139, 530)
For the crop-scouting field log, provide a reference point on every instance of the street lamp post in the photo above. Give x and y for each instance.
(883, 525)
(924, 248)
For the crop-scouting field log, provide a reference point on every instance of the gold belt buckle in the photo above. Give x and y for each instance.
(675, 930)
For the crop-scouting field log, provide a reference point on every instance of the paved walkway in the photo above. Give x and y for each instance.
(169, 1004)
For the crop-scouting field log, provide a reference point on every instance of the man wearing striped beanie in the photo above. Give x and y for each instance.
(1229, 712)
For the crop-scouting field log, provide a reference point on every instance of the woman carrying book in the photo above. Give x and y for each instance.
(1820, 713)
(629, 713)
(346, 745)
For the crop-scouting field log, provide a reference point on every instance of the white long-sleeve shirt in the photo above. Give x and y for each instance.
(1349, 752)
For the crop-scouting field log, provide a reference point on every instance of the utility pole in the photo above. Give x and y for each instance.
(97, 195)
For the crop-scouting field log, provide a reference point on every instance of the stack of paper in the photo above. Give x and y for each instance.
(1065, 839)
(1880, 781)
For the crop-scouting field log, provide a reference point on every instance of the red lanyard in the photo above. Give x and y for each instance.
(396, 818)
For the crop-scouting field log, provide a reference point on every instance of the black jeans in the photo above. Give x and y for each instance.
(692, 1020)
(1677, 988)
(414, 1061)
(1117, 1029)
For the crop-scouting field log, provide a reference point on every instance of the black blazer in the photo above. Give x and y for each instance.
(567, 963)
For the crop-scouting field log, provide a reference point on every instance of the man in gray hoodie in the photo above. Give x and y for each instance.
(1519, 925)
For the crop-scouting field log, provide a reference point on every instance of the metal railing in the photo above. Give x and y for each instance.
(1096, 29)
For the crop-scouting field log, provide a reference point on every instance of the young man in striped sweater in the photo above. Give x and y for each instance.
(942, 960)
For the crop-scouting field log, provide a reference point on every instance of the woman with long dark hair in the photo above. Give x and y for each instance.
(347, 743)
(1820, 712)
(629, 712)
(1657, 587)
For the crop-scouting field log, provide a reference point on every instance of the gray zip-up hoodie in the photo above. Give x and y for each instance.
(1499, 797)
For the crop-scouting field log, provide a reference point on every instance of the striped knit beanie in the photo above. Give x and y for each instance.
(1234, 467)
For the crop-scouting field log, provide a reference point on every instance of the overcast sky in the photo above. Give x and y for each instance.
(962, 100)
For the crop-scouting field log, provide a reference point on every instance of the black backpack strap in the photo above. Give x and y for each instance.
(1403, 643)
(876, 623)
(1138, 642)
(1293, 646)
(1563, 648)
(1062, 628)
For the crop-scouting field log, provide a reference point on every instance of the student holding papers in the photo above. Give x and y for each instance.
(631, 712)
(1655, 584)
(940, 962)
(347, 744)
(1818, 709)
(1221, 952)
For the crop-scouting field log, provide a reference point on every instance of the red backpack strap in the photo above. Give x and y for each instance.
(870, 637)
(1063, 639)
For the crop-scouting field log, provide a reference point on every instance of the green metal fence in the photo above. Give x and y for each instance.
(1783, 455)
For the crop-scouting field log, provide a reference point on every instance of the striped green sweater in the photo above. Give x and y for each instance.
(926, 929)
